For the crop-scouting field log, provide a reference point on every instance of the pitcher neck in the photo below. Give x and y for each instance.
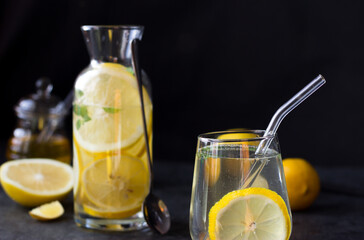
(111, 43)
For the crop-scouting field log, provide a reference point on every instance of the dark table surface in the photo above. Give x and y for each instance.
(338, 213)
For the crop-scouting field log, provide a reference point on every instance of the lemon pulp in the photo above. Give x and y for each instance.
(117, 183)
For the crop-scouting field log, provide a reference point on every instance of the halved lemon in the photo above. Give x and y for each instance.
(107, 109)
(250, 214)
(48, 211)
(32, 182)
(115, 186)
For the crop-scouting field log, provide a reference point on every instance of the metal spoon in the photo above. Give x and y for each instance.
(155, 212)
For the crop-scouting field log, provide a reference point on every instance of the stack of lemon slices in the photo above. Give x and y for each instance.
(110, 164)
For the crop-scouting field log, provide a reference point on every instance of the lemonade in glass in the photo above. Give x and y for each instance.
(237, 193)
(110, 160)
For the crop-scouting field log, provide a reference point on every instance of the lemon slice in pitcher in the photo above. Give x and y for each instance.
(250, 214)
(116, 186)
(107, 114)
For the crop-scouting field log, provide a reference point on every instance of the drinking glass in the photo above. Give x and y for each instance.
(228, 170)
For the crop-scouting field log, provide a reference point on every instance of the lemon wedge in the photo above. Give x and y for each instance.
(115, 186)
(32, 182)
(48, 211)
(250, 214)
(107, 105)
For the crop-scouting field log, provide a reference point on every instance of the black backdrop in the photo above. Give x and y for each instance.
(213, 65)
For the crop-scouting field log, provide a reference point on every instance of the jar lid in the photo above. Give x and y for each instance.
(40, 103)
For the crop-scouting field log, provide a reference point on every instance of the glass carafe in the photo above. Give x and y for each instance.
(36, 113)
(110, 161)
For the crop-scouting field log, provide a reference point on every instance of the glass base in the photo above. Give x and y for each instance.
(137, 222)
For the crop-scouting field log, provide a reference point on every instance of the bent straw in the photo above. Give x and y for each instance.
(277, 118)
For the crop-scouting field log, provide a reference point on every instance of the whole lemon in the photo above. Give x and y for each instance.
(303, 182)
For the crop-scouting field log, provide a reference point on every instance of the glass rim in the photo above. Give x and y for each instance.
(212, 136)
(121, 27)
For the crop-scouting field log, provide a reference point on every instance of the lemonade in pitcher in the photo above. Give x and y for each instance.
(110, 159)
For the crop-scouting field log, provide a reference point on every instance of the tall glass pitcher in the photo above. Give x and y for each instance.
(110, 161)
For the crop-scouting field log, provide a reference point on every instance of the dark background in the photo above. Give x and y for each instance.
(213, 65)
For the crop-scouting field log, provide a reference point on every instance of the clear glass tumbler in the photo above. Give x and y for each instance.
(239, 192)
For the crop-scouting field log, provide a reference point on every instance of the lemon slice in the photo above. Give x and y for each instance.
(116, 186)
(76, 168)
(238, 136)
(259, 182)
(48, 211)
(32, 182)
(110, 213)
(138, 148)
(107, 114)
(250, 214)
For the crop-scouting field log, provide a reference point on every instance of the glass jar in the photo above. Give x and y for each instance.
(112, 175)
(33, 137)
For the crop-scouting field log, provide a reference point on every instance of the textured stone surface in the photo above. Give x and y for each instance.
(338, 213)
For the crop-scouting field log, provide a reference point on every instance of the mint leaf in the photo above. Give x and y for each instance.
(78, 124)
(86, 118)
(79, 93)
(111, 110)
(130, 70)
(82, 112)
(77, 109)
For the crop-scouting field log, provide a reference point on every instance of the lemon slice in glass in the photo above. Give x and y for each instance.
(238, 135)
(32, 182)
(115, 186)
(250, 214)
(107, 109)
